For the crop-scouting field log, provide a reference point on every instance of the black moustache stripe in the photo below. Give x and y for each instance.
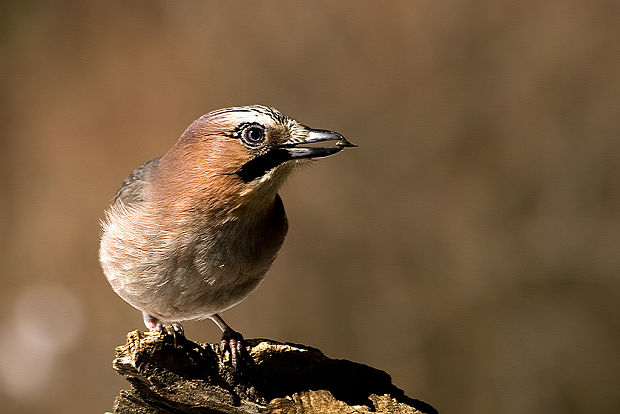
(258, 166)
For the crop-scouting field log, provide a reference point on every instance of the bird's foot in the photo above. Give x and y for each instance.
(175, 330)
(232, 341)
(167, 329)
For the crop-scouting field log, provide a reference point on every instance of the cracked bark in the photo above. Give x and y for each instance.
(276, 378)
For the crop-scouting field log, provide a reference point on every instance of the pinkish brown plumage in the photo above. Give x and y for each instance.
(192, 233)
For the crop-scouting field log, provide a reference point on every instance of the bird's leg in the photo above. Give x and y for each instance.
(152, 323)
(231, 339)
(175, 329)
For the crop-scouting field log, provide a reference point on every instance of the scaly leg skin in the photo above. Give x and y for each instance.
(175, 329)
(231, 340)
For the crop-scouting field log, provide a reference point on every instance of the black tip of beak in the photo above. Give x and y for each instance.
(346, 144)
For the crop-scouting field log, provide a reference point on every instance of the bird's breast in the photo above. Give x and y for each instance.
(227, 261)
(190, 267)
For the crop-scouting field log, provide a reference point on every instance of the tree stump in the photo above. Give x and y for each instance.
(274, 377)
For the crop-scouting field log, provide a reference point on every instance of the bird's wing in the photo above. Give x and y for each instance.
(132, 189)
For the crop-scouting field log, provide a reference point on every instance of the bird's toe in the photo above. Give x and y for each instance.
(232, 341)
(178, 334)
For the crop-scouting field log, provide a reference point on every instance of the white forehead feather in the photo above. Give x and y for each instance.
(253, 113)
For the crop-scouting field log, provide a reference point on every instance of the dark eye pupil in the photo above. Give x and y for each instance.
(254, 134)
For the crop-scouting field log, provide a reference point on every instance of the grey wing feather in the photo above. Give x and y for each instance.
(132, 189)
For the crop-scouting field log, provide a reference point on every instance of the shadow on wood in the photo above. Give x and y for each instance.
(275, 377)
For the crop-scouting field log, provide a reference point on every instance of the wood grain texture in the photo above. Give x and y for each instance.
(275, 378)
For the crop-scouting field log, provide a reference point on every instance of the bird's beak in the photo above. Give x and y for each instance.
(307, 148)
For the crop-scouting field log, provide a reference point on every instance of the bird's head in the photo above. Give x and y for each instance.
(242, 153)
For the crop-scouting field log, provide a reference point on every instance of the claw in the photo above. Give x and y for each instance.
(178, 334)
(174, 330)
(178, 329)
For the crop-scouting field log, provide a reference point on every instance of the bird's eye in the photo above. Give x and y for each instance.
(253, 135)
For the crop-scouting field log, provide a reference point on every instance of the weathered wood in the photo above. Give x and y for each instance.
(275, 378)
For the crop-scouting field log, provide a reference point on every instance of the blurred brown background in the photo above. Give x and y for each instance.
(470, 246)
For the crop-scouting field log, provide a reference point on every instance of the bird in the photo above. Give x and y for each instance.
(192, 233)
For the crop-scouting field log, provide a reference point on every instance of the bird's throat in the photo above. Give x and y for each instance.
(259, 166)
